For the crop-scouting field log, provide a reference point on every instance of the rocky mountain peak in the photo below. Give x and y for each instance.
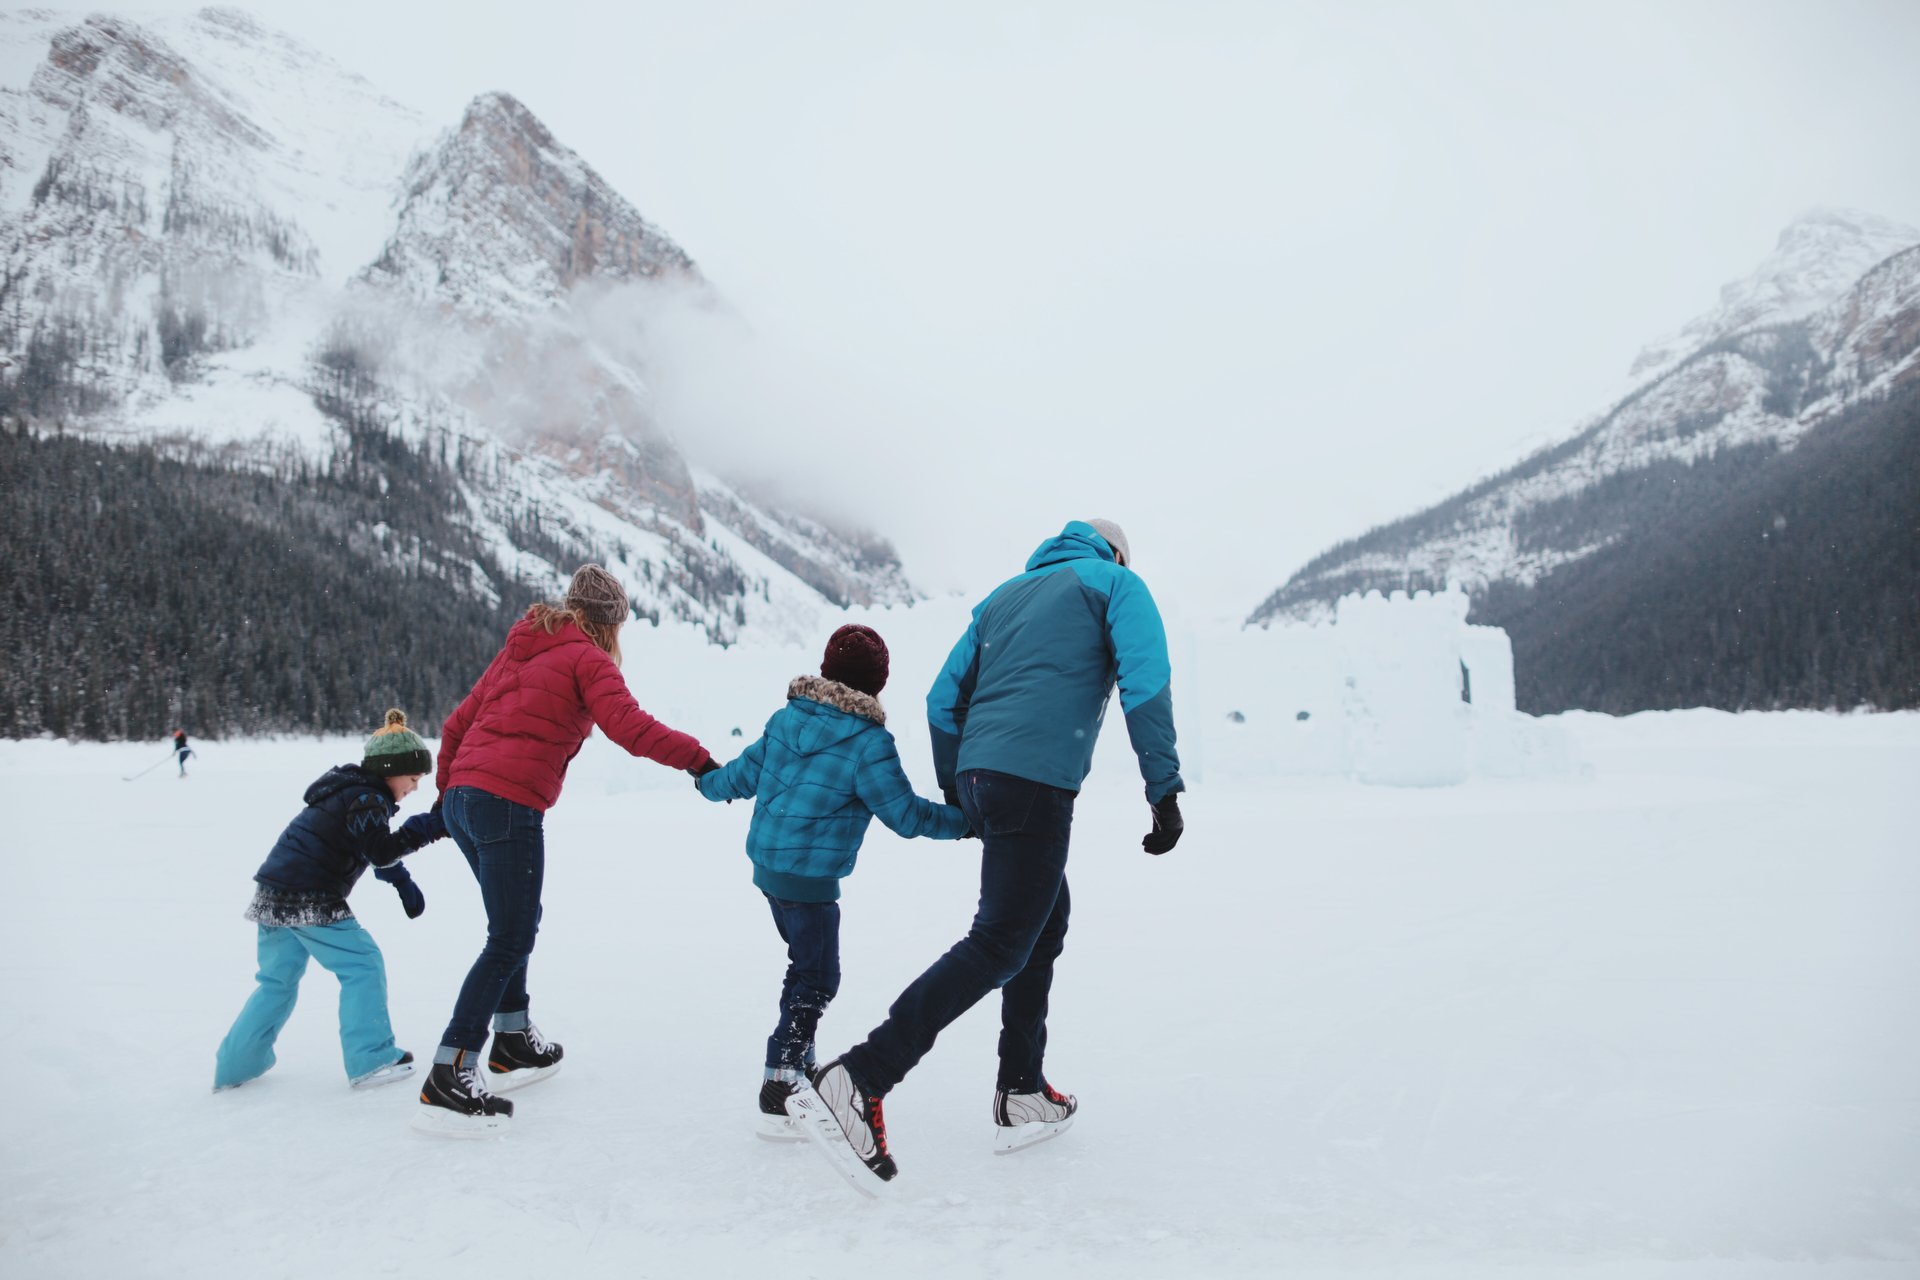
(1818, 257)
(499, 214)
(129, 70)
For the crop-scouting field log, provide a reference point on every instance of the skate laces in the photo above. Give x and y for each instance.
(467, 1072)
(534, 1038)
(877, 1124)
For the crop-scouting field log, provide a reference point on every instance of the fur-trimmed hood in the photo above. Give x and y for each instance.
(838, 696)
(825, 767)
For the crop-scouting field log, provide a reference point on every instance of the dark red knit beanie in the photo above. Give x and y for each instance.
(857, 658)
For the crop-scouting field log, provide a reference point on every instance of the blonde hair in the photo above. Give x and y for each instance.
(551, 617)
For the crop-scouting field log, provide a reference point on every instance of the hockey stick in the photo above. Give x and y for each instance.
(149, 769)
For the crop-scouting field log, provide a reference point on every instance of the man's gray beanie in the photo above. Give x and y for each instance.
(1116, 538)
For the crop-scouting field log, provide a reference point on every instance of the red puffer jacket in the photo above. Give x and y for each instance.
(515, 734)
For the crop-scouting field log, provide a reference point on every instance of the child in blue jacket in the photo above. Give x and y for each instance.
(300, 905)
(823, 769)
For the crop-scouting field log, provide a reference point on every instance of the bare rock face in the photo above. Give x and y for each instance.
(498, 215)
(215, 236)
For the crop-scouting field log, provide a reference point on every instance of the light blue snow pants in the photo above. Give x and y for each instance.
(343, 949)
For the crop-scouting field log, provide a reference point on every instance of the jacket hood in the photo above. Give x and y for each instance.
(524, 640)
(827, 713)
(345, 777)
(1077, 541)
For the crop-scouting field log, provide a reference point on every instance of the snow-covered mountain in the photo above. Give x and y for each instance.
(217, 240)
(1828, 323)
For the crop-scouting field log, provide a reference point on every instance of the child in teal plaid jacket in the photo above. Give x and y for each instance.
(824, 768)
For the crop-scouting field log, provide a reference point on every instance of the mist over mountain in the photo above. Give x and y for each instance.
(231, 263)
(1737, 531)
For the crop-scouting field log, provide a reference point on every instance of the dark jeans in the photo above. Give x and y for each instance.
(505, 845)
(811, 931)
(1017, 934)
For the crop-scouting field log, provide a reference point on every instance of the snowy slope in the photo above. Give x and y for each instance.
(218, 238)
(1652, 1023)
(1830, 320)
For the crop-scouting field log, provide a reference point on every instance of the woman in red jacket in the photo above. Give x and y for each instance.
(503, 755)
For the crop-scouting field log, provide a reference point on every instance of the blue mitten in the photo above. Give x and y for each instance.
(411, 899)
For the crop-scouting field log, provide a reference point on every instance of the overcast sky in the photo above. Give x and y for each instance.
(1247, 277)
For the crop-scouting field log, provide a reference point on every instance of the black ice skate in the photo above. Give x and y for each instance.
(519, 1058)
(848, 1126)
(1022, 1119)
(454, 1103)
(774, 1124)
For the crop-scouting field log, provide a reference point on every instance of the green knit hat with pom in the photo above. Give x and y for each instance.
(395, 750)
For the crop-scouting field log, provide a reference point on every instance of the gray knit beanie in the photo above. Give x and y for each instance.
(1116, 538)
(597, 596)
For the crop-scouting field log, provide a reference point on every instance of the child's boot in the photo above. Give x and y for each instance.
(521, 1057)
(774, 1124)
(399, 1069)
(454, 1102)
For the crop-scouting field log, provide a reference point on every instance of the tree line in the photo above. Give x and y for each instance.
(147, 592)
(1758, 579)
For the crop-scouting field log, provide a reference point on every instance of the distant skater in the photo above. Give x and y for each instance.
(300, 906)
(503, 757)
(1014, 715)
(181, 750)
(825, 767)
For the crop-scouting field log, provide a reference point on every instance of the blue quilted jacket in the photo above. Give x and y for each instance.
(1025, 690)
(822, 770)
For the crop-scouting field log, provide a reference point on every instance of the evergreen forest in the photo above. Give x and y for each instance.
(147, 591)
(1757, 579)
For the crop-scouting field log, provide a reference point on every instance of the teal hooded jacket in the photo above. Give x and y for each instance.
(824, 768)
(1025, 690)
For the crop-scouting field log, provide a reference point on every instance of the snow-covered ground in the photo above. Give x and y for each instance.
(1654, 1021)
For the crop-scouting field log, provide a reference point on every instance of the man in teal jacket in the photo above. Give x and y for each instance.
(1015, 713)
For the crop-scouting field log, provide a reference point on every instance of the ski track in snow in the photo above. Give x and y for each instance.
(1652, 1022)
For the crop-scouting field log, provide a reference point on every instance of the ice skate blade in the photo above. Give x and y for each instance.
(439, 1122)
(385, 1075)
(1011, 1138)
(778, 1129)
(508, 1081)
(812, 1117)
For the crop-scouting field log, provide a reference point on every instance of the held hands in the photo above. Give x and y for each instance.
(1167, 825)
(412, 901)
(705, 767)
(952, 797)
(423, 828)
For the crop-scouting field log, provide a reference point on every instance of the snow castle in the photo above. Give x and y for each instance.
(1398, 690)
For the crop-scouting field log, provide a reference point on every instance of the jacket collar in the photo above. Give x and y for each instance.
(1077, 541)
(838, 696)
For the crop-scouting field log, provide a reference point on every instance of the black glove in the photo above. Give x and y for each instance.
(705, 767)
(1167, 825)
(412, 901)
(423, 828)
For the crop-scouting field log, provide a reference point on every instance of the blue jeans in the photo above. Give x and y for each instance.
(505, 844)
(1017, 934)
(343, 949)
(811, 931)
